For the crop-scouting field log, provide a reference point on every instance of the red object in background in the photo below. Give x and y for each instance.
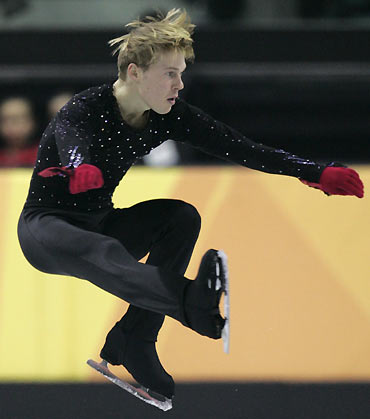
(25, 157)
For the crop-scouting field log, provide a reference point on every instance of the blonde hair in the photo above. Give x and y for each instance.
(149, 37)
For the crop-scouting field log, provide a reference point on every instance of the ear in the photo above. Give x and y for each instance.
(133, 72)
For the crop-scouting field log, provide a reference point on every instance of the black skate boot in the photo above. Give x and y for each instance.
(202, 296)
(131, 343)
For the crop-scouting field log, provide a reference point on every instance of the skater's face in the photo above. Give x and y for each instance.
(160, 84)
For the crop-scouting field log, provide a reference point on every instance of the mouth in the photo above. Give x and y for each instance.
(172, 100)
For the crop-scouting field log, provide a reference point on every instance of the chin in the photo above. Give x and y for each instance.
(162, 108)
(163, 111)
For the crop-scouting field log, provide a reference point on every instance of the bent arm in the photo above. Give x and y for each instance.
(72, 134)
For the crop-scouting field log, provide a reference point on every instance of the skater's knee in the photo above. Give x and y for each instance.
(187, 216)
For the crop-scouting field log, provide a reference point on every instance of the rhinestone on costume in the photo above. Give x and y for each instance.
(74, 138)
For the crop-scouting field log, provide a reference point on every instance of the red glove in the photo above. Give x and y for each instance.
(54, 171)
(81, 179)
(339, 181)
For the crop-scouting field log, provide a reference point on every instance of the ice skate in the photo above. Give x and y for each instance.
(203, 295)
(226, 292)
(131, 343)
(144, 394)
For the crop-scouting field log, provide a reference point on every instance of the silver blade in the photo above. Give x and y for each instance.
(138, 392)
(226, 290)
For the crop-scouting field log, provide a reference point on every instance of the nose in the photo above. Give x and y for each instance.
(179, 83)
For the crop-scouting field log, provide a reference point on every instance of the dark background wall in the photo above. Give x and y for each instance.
(305, 90)
(224, 43)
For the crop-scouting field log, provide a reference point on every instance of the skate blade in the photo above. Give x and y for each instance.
(138, 392)
(223, 270)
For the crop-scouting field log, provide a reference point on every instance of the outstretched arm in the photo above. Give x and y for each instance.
(193, 126)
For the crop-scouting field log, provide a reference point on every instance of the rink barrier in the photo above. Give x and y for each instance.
(196, 401)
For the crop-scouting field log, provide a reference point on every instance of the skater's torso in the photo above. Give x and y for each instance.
(90, 129)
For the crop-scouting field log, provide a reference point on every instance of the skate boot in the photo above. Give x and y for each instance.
(131, 343)
(202, 297)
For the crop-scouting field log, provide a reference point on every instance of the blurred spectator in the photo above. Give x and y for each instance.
(17, 133)
(57, 101)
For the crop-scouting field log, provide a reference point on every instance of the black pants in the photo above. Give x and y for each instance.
(104, 247)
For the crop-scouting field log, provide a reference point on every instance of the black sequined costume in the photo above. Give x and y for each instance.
(90, 129)
(82, 235)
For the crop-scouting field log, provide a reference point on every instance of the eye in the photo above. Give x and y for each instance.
(171, 74)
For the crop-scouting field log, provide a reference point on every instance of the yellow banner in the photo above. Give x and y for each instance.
(299, 272)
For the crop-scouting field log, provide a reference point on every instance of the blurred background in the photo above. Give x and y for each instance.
(293, 74)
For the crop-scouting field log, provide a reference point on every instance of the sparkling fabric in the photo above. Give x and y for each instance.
(90, 129)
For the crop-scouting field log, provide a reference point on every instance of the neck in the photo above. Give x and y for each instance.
(132, 108)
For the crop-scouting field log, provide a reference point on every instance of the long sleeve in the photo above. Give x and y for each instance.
(73, 133)
(88, 129)
(193, 126)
